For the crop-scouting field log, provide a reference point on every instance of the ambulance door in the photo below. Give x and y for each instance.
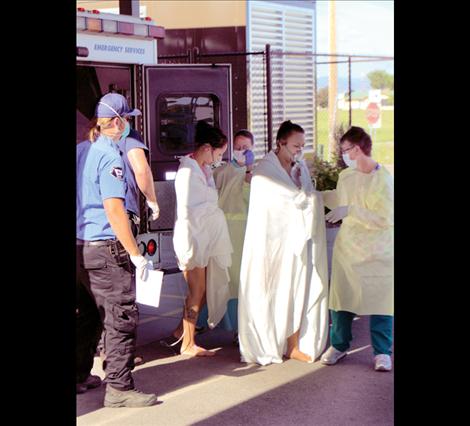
(175, 98)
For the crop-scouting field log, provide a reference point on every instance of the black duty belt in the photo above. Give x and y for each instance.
(95, 243)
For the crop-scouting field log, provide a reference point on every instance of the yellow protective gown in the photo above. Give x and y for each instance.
(362, 264)
(234, 195)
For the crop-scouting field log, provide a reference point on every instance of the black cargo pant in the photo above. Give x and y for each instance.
(135, 231)
(106, 273)
(88, 325)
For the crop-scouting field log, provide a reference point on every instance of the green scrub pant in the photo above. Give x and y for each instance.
(380, 331)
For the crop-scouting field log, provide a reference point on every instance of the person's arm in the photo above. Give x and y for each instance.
(249, 161)
(119, 221)
(112, 188)
(330, 198)
(143, 173)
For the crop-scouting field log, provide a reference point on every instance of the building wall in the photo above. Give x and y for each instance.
(186, 14)
(197, 14)
(287, 28)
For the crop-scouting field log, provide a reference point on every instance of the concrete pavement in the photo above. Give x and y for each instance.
(223, 391)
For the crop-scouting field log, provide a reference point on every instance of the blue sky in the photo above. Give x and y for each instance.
(362, 27)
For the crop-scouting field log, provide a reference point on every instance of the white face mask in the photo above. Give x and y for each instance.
(215, 163)
(348, 161)
(239, 157)
(299, 157)
(295, 157)
(284, 146)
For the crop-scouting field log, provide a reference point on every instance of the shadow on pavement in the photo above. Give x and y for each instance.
(178, 371)
(349, 393)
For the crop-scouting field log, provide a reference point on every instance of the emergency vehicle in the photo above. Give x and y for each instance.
(118, 53)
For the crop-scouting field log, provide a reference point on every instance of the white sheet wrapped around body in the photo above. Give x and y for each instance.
(201, 237)
(284, 274)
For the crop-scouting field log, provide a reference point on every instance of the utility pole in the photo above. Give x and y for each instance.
(332, 81)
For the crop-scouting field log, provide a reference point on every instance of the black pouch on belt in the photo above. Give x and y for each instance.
(119, 253)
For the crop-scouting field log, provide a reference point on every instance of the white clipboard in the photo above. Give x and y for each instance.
(148, 291)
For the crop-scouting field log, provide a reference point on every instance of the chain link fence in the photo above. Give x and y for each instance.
(355, 103)
(296, 86)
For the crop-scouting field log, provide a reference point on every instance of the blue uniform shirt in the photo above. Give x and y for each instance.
(100, 175)
(132, 195)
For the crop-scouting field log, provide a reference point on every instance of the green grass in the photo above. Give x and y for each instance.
(382, 139)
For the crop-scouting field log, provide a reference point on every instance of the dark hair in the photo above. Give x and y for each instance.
(358, 136)
(286, 129)
(245, 133)
(205, 133)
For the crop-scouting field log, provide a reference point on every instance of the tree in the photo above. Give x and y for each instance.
(380, 79)
(390, 100)
(322, 97)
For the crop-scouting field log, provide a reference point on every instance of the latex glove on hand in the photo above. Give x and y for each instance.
(155, 209)
(337, 214)
(142, 265)
(249, 157)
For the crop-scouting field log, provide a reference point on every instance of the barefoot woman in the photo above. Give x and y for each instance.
(201, 239)
(283, 278)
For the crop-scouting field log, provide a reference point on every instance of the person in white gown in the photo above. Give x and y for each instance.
(283, 306)
(232, 180)
(201, 239)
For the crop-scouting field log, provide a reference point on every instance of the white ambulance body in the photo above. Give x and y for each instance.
(118, 53)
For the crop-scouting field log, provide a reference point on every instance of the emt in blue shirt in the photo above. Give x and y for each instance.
(107, 254)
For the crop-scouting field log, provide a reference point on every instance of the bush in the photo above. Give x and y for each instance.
(325, 174)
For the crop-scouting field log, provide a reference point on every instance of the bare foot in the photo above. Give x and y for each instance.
(197, 351)
(299, 356)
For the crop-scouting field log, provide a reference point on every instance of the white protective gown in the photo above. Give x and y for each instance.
(362, 264)
(201, 237)
(284, 273)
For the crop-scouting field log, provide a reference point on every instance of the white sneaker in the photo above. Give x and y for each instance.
(383, 362)
(332, 356)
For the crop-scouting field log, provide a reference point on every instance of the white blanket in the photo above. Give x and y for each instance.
(284, 273)
(201, 237)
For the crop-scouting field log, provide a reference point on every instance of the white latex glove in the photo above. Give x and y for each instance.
(337, 214)
(142, 265)
(155, 210)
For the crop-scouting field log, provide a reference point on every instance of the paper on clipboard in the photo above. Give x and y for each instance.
(148, 291)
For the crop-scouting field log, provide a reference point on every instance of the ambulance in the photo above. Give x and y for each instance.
(118, 53)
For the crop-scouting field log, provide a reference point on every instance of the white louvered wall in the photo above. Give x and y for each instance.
(288, 29)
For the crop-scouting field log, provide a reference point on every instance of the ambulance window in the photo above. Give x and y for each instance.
(178, 117)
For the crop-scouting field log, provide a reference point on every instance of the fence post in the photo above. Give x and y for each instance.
(349, 86)
(269, 112)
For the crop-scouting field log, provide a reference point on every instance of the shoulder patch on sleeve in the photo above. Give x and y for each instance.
(117, 173)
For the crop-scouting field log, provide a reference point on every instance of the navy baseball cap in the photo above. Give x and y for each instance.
(113, 104)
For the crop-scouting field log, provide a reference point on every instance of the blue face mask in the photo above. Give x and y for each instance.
(126, 131)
